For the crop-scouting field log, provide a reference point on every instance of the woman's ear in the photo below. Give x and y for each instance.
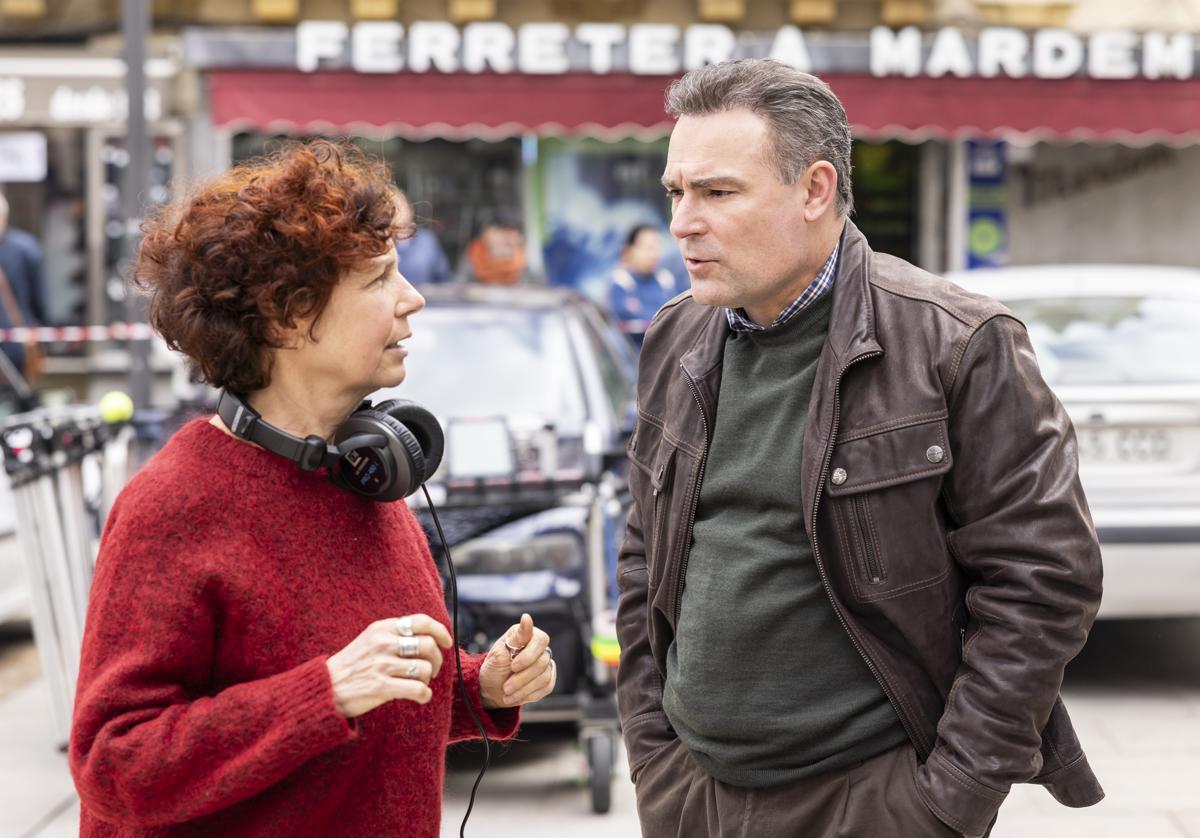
(299, 333)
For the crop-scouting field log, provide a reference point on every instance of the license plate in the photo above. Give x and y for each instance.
(1117, 446)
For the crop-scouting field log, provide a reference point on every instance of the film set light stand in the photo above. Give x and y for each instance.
(66, 465)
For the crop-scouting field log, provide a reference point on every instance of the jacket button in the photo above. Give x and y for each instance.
(935, 454)
(838, 477)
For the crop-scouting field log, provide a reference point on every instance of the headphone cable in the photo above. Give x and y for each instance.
(462, 684)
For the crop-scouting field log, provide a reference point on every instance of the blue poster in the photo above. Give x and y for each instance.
(987, 188)
(592, 194)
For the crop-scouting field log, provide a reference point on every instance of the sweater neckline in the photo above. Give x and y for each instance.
(798, 327)
(226, 451)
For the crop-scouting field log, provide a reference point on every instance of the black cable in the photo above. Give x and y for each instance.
(462, 684)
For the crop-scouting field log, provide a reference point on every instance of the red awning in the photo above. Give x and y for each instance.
(456, 106)
(619, 105)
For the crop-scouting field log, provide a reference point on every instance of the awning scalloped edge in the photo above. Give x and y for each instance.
(443, 130)
(650, 133)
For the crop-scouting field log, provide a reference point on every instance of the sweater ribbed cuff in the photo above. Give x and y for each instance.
(308, 709)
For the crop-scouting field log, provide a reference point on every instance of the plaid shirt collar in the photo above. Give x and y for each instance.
(739, 322)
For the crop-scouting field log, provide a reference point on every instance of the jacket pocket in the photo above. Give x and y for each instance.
(651, 481)
(883, 487)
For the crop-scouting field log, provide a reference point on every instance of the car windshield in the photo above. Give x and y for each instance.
(477, 361)
(1113, 340)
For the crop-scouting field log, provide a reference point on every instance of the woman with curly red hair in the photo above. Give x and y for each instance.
(264, 650)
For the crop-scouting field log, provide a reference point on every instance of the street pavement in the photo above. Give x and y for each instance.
(1134, 695)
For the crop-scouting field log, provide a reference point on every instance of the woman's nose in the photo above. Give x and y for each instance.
(410, 300)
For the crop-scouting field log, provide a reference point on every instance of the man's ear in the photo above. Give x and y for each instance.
(821, 186)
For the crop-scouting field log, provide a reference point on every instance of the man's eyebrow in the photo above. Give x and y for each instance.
(715, 181)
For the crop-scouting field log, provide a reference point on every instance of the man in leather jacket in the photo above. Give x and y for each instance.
(859, 557)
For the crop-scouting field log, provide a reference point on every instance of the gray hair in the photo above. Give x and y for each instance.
(805, 119)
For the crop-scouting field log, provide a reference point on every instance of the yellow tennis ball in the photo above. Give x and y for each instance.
(116, 406)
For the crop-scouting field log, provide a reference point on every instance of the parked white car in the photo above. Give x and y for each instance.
(1120, 346)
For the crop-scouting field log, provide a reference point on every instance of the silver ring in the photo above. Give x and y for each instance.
(404, 626)
(411, 671)
(410, 647)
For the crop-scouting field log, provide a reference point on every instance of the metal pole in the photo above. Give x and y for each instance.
(135, 27)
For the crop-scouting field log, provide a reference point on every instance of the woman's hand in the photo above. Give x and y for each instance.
(392, 659)
(518, 669)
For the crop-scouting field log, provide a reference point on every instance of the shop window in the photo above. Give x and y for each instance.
(110, 304)
(598, 9)
(451, 185)
(592, 193)
(374, 9)
(904, 12)
(465, 11)
(26, 9)
(885, 177)
(275, 11)
(1031, 14)
(727, 11)
(813, 11)
(51, 208)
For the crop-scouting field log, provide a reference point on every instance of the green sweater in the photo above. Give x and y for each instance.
(763, 684)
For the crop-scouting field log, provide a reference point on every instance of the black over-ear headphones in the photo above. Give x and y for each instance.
(382, 452)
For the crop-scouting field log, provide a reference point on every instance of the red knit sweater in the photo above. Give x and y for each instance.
(226, 578)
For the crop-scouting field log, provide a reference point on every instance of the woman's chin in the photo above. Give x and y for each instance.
(391, 378)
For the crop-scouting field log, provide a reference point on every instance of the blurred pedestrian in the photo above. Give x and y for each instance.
(639, 286)
(264, 649)
(22, 292)
(496, 256)
(859, 557)
(421, 259)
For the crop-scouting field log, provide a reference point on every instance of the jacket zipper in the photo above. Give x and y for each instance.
(687, 548)
(915, 735)
(657, 533)
(874, 565)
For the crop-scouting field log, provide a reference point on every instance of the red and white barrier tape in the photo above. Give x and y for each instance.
(77, 334)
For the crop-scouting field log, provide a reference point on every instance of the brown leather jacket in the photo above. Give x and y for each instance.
(946, 516)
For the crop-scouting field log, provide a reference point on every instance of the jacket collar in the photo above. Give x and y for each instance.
(851, 323)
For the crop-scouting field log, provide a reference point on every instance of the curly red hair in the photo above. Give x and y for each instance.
(260, 247)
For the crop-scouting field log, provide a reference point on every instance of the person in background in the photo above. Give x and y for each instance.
(421, 259)
(496, 256)
(22, 284)
(419, 255)
(639, 285)
(266, 652)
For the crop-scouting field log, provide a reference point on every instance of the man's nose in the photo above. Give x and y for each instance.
(685, 220)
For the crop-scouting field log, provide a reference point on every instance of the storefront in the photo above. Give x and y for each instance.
(62, 144)
(957, 135)
(63, 111)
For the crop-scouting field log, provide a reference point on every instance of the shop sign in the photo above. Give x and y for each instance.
(51, 102)
(665, 49)
(47, 88)
(1044, 54)
(22, 157)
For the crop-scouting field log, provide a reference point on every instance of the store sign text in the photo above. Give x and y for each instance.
(664, 49)
(71, 104)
